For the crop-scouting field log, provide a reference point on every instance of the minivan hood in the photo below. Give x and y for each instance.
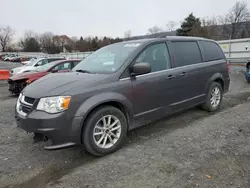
(58, 83)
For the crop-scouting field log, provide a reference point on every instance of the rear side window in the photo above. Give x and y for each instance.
(212, 51)
(186, 53)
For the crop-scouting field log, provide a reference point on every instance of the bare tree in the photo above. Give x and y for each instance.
(6, 34)
(29, 42)
(48, 43)
(236, 20)
(154, 30)
(171, 25)
(127, 34)
(209, 28)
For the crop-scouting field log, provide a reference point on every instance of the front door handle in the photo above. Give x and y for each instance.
(170, 77)
(183, 74)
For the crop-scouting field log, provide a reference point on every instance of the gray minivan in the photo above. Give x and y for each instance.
(123, 86)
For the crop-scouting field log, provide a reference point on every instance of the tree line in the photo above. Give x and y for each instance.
(235, 24)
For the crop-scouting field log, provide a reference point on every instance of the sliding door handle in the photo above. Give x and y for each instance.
(183, 74)
(170, 77)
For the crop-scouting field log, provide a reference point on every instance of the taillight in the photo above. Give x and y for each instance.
(228, 66)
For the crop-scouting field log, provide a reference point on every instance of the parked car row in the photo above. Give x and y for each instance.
(15, 58)
(118, 88)
(35, 69)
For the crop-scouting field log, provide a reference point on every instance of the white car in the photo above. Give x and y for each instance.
(8, 57)
(33, 64)
(26, 62)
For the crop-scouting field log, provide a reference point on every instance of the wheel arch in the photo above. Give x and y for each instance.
(215, 78)
(108, 99)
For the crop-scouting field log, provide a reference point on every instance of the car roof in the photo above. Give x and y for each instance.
(167, 38)
(66, 60)
(41, 58)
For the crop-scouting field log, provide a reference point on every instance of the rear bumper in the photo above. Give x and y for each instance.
(226, 85)
(247, 76)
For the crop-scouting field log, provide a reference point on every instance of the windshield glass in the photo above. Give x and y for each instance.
(107, 59)
(32, 62)
(46, 66)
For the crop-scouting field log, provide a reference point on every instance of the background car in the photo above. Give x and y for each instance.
(9, 56)
(26, 58)
(15, 59)
(2, 56)
(19, 81)
(32, 65)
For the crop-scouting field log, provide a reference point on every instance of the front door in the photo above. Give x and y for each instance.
(152, 92)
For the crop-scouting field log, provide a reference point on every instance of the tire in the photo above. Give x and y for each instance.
(90, 141)
(209, 105)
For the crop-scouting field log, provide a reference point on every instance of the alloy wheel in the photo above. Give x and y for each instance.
(107, 131)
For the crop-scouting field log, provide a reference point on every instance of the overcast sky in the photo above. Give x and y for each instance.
(102, 17)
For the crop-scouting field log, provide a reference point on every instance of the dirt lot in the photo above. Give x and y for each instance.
(191, 149)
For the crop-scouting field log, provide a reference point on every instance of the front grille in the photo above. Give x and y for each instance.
(29, 100)
(25, 105)
(25, 109)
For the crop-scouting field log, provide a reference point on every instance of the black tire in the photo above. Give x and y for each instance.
(208, 106)
(88, 131)
(248, 81)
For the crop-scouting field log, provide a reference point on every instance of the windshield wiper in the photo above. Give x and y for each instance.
(83, 71)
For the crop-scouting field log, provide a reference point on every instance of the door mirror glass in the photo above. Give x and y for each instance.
(140, 68)
(54, 71)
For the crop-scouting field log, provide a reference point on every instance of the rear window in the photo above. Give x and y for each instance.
(186, 53)
(212, 51)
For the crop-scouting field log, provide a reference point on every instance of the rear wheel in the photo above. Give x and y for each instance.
(214, 97)
(105, 131)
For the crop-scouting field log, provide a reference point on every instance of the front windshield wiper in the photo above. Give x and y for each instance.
(83, 71)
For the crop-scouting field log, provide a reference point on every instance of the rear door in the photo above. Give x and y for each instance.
(214, 62)
(189, 74)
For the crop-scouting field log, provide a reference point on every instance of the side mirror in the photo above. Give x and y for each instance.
(140, 68)
(54, 71)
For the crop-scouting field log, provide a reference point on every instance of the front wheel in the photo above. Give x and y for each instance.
(214, 97)
(105, 131)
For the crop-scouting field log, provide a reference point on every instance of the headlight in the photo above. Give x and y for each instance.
(29, 81)
(54, 105)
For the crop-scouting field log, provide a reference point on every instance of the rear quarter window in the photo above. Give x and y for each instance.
(186, 53)
(212, 51)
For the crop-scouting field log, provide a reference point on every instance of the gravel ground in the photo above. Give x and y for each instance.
(190, 149)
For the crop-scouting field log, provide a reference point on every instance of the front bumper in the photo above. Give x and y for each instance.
(16, 87)
(61, 130)
(247, 75)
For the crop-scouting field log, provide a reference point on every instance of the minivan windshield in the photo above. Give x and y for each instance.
(107, 59)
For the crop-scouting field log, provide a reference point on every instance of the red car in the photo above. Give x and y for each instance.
(19, 81)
